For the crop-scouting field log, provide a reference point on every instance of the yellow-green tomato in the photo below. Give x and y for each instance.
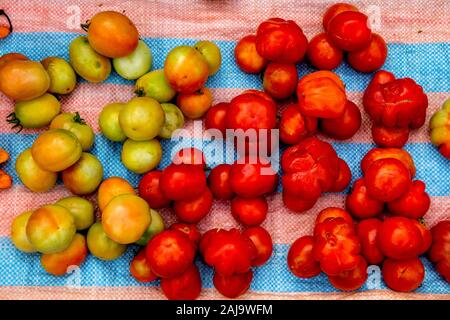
(174, 119)
(108, 122)
(31, 174)
(142, 118)
(211, 52)
(62, 76)
(50, 229)
(136, 64)
(155, 227)
(101, 246)
(36, 113)
(56, 150)
(85, 176)
(141, 156)
(18, 233)
(440, 129)
(75, 124)
(81, 209)
(87, 63)
(155, 85)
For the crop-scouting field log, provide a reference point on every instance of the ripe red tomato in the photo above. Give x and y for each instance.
(322, 54)
(440, 249)
(206, 238)
(234, 285)
(387, 179)
(263, 244)
(344, 126)
(367, 231)
(360, 204)
(186, 286)
(280, 80)
(189, 229)
(297, 204)
(349, 31)
(382, 153)
(140, 268)
(334, 10)
(426, 237)
(219, 182)
(352, 279)
(390, 137)
(150, 191)
(301, 260)
(190, 156)
(371, 57)
(194, 210)
(403, 275)
(249, 211)
(399, 238)
(216, 117)
(343, 179)
(333, 213)
(413, 204)
(294, 127)
(170, 253)
(182, 181)
(247, 57)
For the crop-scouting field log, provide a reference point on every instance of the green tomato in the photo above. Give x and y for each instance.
(62, 76)
(31, 174)
(36, 113)
(211, 52)
(136, 64)
(81, 209)
(19, 234)
(84, 176)
(174, 119)
(101, 246)
(75, 124)
(155, 227)
(87, 63)
(141, 156)
(108, 122)
(142, 118)
(154, 85)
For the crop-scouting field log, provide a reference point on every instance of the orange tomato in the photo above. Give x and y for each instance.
(11, 56)
(194, 105)
(113, 187)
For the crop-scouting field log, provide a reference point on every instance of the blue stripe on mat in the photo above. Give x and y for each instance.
(20, 269)
(427, 63)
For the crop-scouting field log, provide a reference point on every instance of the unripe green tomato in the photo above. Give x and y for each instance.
(36, 113)
(154, 85)
(141, 156)
(75, 124)
(174, 119)
(155, 227)
(32, 176)
(19, 235)
(81, 209)
(136, 64)
(109, 122)
(211, 52)
(101, 246)
(84, 176)
(62, 76)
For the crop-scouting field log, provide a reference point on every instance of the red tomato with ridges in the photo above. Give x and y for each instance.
(333, 213)
(234, 285)
(343, 179)
(383, 153)
(219, 182)
(349, 31)
(301, 260)
(322, 54)
(150, 191)
(263, 244)
(189, 229)
(426, 237)
(440, 250)
(249, 211)
(294, 127)
(297, 204)
(194, 210)
(367, 231)
(280, 80)
(186, 286)
(414, 204)
(403, 275)
(344, 126)
(386, 137)
(360, 204)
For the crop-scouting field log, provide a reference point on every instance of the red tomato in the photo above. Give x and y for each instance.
(367, 231)
(294, 127)
(297, 204)
(383, 153)
(186, 286)
(352, 279)
(249, 211)
(399, 238)
(280, 80)
(219, 182)
(189, 229)
(343, 179)
(349, 31)
(413, 204)
(371, 57)
(170, 253)
(390, 137)
(190, 156)
(260, 94)
(263, 244)
(322, 54)
(140, 268)
(334, 10)
(234, 285)
(387, 179)
(301, 260)
(194, 210)
(360, 204)
(216, 117)
(206, 238)
(281, 41)
(344, 126)
(440, 249)
(403, 275)
(150, 191)
(246, 56)
(426, 237)
(333, 213)
(182, 181)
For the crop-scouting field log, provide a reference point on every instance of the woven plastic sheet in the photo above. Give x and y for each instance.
(418, 38)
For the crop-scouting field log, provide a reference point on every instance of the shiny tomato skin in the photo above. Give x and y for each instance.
(234, 285)
(333, 213)
(334, 10)
(219, 182)
(189, 229)
(439, 252)
(294, 127)
(426, 236)
(186, 286)
(349, 31)
(215, 117)
(182, 182)
(352, 279)
(280, 80)
(247, 57)
(414, 204)
(382, 153)
(194, 210)
(322, 54)
(403, 275)
(343, 179)
(360, 204)
(301, 260)
(140, 269)
(386, 137)
(150, 191)
(345, 126)
(367, 231)
(249, 211)
(371, 57)
(194, 105)
(263, 242)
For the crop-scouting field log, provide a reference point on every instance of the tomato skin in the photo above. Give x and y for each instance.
(280, 80)
(62, 76)
(322, 54)
(155, 85)
(215, 117)
(352, 279)
(383, 153)
(156, 226)
(189, 229)
(192, 156)
(426, 236)
(297, 204)
(390, 137)
(301, 259)
(186, 286)
(333, 213)
(249, 211)
(360, 204)
(111, 188)
(247, 57)
(367, 231)
(4, 59)
(136, 64)
(193, 210)
(112, 34)
(173, 120)
(211, 52)
(101, 246)
(150, 191)
(170, 253)
(413, 204)
(84, 176)
(263, 243)
(294, 127)
(399, 238)
(349, 31)
(345, 126)
(75, 124)
(403, 275)
(371, 57)
(19, 233)
(334, 10)
(182, 182)
(343, 179)
(219, 182)
(195, 105)
(140, 269)
(234, 285)
(439, 252)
